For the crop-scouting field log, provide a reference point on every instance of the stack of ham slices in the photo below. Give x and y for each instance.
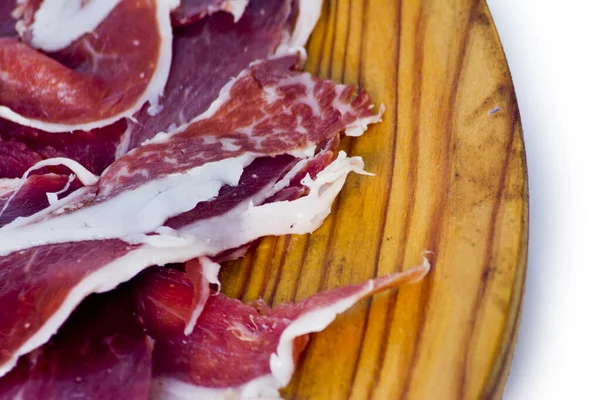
(142, 143)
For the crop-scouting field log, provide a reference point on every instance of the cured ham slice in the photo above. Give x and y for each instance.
(108, 59)
(22, 198)
(21, 147)
(102, 352)
(208, 53)
(236, 350)
(193, 10)
(202, 272)
(134, 216)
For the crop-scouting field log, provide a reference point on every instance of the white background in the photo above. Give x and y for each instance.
(553, 50)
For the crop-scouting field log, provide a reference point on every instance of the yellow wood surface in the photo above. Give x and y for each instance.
(450, 179)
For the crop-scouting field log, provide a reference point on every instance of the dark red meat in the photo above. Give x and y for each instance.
(255, 176)
(31, 196)
(7, 22)
(101, 352)
(21, 147)
(190, 11)
(35, 282)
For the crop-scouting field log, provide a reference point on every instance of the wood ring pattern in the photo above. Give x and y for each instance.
(450, 178)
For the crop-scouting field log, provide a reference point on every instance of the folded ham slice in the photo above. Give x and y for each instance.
(236, 350)
(108, 58)
(134, 216)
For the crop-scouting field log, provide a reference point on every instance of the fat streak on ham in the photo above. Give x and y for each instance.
(105, 233)
(113, 57)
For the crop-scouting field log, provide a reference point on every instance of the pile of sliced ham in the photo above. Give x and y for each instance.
(142, 143)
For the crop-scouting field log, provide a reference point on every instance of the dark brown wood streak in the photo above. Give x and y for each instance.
(440, 211)
(487, 271)
(450, 179)
(388, 195)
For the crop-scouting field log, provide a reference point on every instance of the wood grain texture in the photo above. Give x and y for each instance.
(450, 179)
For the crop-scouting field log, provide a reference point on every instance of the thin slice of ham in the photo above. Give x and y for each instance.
(196, 78)
(114, 57)
(236, 350)
(24, 197)
(190, 11)
(268, 110)
(202, 272)
(41, 285)
(102, 352)
(21, 147)
(105, 233)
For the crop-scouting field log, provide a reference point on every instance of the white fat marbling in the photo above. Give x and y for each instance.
(303, 215)
(235, 8)
(8, 185)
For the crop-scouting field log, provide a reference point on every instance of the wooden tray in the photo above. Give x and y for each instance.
(451, 179)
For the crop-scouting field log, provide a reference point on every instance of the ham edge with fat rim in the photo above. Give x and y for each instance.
(237, 350)
(97, 92)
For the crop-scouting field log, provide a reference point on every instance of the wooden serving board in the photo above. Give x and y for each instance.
(450, 179)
